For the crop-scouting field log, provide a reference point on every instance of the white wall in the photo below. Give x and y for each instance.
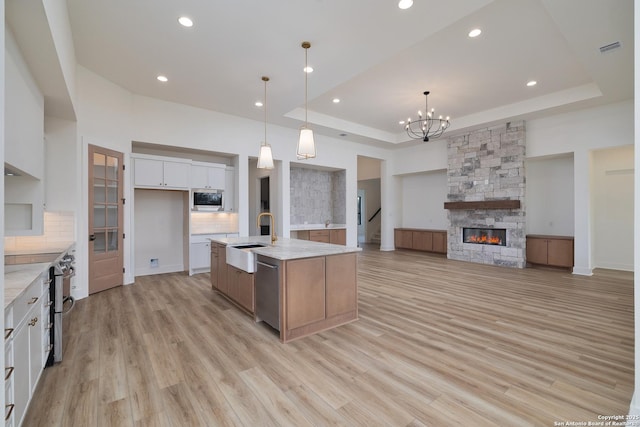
(549, 195)
(159, 231)
(423, 197)
(613, 195)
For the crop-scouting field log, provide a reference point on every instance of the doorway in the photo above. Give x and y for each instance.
(106, 219)
(264, 205)
(362, 223)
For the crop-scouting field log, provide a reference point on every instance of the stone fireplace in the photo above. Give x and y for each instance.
(486, 189)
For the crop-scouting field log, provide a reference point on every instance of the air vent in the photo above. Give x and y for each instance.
(610, 47)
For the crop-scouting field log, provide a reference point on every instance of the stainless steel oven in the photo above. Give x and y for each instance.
(61, 273)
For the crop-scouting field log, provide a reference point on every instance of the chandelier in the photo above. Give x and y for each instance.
(428, 126)
(265, 159)
(306, 144)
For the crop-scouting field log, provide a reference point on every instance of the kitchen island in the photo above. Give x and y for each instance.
(299, 287)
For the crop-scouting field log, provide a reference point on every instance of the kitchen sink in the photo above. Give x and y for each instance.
(241, 256)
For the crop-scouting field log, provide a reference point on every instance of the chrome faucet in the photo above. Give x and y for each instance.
(273, 227)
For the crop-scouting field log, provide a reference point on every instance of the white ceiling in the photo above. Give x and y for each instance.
(376, 58)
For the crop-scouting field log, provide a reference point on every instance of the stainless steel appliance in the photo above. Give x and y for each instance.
(267, 282)
(208, 200)
(61, 273)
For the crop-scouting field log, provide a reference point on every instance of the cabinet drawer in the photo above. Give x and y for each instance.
(26, 301)
(319, 236)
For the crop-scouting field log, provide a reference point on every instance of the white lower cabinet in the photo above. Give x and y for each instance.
(25, 348)
(199, 257)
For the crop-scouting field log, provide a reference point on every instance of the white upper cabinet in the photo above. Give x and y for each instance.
(160, 173)
(208, 176)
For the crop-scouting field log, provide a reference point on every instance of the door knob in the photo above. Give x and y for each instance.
(92, 237)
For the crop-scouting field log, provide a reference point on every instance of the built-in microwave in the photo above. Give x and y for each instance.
(208, 200)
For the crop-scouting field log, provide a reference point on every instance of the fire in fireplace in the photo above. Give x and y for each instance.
(485, 236)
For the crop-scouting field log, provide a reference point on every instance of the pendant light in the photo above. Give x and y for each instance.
(265, 159)
(306, 144)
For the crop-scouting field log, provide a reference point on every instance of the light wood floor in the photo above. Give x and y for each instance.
(438, 343)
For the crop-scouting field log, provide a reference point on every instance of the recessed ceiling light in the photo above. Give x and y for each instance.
(258, 104)
(336, 100)
(405, 4)
(475, 32)
(401, 122)
(162, 79)
(343, 134)
(308, 69)
(532, 83)
(185, 22)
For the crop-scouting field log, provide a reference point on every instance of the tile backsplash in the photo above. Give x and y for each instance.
(213, 222)
(317, 196)
(59, 227)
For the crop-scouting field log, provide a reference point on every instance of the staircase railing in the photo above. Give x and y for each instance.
(375, 214)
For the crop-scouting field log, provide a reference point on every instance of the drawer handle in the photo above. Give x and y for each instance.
(7, 333)
(7, 372)
(10, 406)
(33, 321)
(33, 300)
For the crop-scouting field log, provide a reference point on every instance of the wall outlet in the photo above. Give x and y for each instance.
(153, 263)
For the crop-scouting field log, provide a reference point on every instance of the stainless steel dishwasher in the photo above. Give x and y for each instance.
(267, 282)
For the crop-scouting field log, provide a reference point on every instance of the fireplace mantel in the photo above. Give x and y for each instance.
(484, 204)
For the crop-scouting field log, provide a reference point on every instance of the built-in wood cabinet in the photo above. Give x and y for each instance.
(305, 291)
(241, 288)
(421, 240)
(556, 251)
(335, 236)
(234, 283)
(159, 173)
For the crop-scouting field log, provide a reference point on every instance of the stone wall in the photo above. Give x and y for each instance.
(488, 164)
(317, 196)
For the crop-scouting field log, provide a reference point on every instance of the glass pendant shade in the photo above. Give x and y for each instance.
(265, 159)
(306, 144)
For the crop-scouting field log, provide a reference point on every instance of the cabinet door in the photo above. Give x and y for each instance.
(422, 241)
(536, 250)
(176, 175)
(440, 242)
(305, 291)
(148, 173)
(216, 178)
(214, 266)
(560, 252)
(222, 269)
(199, 177)
(403, 239)
(342, 288)
(200, 256)
(338, 236)
(245, 291)
(21, 385)
(233, 278)
(36, 346)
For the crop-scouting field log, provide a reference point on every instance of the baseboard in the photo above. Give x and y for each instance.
(175, 268)
(387, 248)
(582, 271)
(614, 266)
(634, 407)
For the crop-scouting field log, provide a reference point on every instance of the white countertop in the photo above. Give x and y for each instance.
(285, 249)
(18, 277)
(296, 227)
